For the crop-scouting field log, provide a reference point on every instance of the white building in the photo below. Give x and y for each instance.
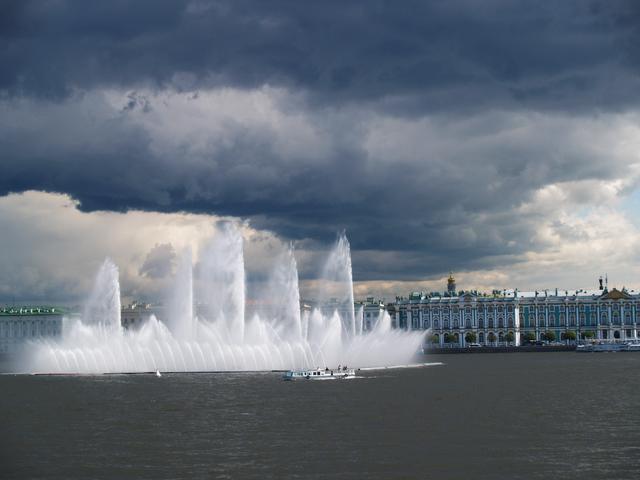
(20, 324)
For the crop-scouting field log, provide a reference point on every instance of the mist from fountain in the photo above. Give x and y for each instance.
(222, 334)
(103, 306)
(180, 317)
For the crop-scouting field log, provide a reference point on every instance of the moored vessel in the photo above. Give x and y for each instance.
(320, 374)
(610, 347)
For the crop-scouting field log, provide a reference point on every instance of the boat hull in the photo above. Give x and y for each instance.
(338, 374)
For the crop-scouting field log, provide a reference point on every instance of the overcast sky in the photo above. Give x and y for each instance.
(500, 140)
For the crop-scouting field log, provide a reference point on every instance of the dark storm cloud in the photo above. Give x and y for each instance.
(440, 208)
(460, 74)
(415, 55)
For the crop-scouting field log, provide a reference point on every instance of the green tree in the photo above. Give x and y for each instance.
(449, 338)
(569, 336)
(509, 337)
(492, 337)
(529, 337)
(588, 334)
(549, 336)
(470, 337)
(433, 338)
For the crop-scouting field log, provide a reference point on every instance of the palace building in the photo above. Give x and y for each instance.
(510, 317)
(21, 324)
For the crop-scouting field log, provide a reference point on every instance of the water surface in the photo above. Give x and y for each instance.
(529, 415)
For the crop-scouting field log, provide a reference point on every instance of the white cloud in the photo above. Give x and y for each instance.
(52, 249)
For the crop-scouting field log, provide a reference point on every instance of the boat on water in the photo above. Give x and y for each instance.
(320, 374)
(610, 347)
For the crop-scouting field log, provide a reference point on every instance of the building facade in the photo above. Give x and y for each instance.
(369, 313)
(21, 324)
(513, 318)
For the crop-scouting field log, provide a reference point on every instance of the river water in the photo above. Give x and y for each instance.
(528, 415)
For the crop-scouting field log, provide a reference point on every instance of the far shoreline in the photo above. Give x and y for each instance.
(510, 349)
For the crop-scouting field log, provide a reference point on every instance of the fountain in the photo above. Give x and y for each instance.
(223, 335)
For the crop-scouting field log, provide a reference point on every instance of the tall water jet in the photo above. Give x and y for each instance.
(337, 284)
(103, 306)
(180, 317)
(279, 301)
(222, 280)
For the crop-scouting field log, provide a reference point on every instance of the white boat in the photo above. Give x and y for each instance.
(631, 346)
(601, 347)
(320, 374)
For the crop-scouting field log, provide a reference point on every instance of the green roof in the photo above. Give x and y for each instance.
(32, 310)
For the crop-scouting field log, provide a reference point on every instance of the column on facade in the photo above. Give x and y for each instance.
(546, 316)
(516, 323)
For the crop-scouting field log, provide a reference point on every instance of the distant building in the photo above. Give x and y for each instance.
(20, 324)
(132, 316)
(369, 312)
(512, 317)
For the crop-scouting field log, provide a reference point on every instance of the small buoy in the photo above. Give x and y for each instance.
(158, 373)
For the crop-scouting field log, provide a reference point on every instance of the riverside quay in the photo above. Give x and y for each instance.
(510, 317)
